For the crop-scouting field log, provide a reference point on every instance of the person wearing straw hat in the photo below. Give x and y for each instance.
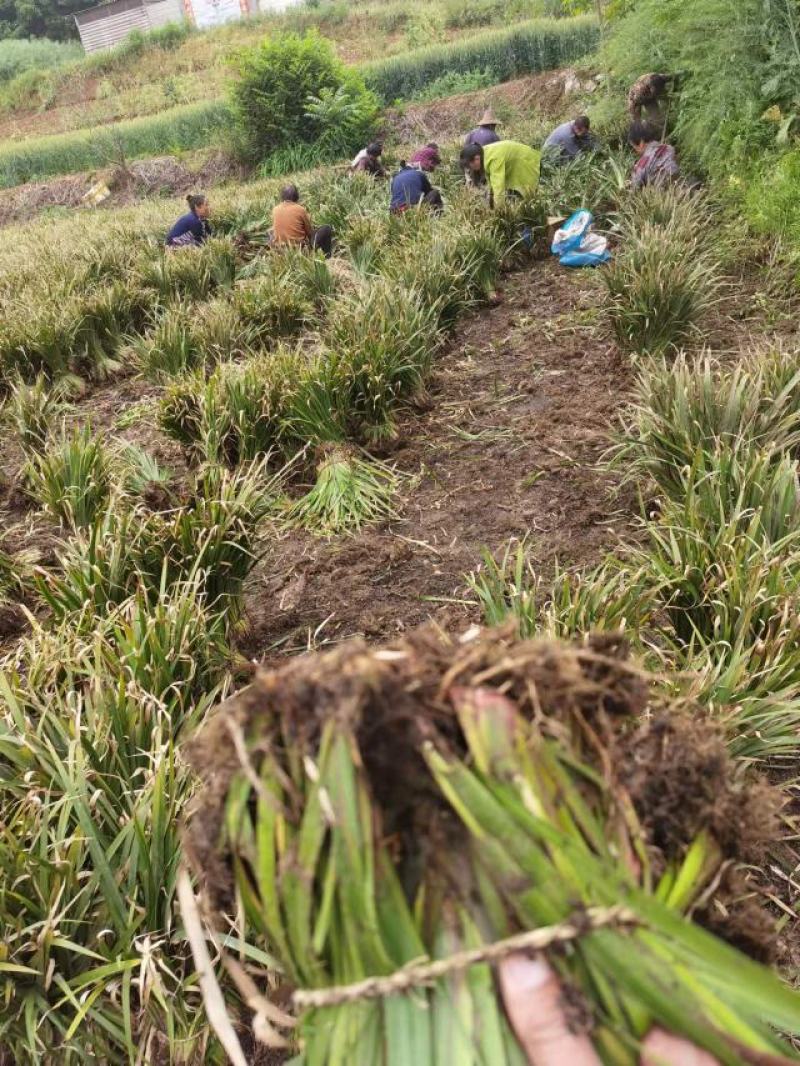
(485, 132)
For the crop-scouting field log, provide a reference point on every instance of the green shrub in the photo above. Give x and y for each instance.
(772, 198)
(293, 90)
(526, 48)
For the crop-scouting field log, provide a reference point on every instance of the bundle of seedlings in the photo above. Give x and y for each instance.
(384, 824)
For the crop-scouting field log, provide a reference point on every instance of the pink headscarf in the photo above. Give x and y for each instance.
(427, 157)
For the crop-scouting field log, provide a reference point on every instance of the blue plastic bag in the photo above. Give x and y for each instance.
(569, 237)
(576, 245)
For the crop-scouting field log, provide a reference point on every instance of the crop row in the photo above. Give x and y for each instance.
(131, 638)
(712, 589)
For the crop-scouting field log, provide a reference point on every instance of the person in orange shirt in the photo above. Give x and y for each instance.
(291, 224)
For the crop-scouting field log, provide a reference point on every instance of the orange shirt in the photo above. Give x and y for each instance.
(291, 223)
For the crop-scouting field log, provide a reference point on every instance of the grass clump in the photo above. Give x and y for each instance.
(659, 287)
(350, 492)
(239, 412)
(685, 410)
(211, 536)
(381, 344)
(72, 477)
(31, 410)
(90, 817)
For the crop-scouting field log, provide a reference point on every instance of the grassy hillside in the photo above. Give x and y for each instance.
(145, 76)
(495, 55)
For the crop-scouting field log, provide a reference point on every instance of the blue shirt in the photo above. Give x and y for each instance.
(563, 142)
(190, 223)
(483, 135)
(409, 186)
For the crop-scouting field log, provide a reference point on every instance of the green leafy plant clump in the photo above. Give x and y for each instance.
(293, 90)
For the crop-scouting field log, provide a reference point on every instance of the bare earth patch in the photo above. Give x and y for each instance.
(523, 402)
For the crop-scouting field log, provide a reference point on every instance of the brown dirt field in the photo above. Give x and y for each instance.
(523, 402)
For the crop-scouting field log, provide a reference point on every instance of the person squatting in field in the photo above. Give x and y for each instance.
(657, 163)
(194, 227)
(647, 99)
(291, 225)
(368, 161)
(568, 141)
(506, 168)
(411, 185)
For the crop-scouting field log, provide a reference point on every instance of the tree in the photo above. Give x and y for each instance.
(40, 18)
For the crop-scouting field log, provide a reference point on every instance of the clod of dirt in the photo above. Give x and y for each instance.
(674, 768)
(13, 620)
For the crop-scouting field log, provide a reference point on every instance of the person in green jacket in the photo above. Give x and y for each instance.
(507, 168)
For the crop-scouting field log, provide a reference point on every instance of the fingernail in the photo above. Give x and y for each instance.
(524, 974)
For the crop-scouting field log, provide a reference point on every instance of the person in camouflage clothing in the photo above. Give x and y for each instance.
(647, 98)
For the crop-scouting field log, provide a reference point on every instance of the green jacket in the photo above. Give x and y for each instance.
(511, 166)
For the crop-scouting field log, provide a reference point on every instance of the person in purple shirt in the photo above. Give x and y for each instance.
(193, 227)
(485, 132)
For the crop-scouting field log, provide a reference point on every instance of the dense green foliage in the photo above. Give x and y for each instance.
(526, 48)
(293, 90)
(735, 113)
(18, 56)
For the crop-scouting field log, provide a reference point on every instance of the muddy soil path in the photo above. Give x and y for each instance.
(522, 406)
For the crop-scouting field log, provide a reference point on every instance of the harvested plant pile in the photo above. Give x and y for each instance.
(365, 809)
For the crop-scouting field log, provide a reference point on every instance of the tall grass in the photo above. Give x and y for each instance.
(659, 288)
(526, 48)
(71, 478)
(17, 56)
(179, 129)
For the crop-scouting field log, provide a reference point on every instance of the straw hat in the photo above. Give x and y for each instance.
(489, 118)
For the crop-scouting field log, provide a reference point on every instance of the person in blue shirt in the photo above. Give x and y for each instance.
(193, 228)
(411, 185)
(569, 140)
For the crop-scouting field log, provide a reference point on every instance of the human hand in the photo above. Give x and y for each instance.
(532, 996)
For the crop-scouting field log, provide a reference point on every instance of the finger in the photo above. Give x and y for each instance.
(533, 1000)
(661, 1048)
